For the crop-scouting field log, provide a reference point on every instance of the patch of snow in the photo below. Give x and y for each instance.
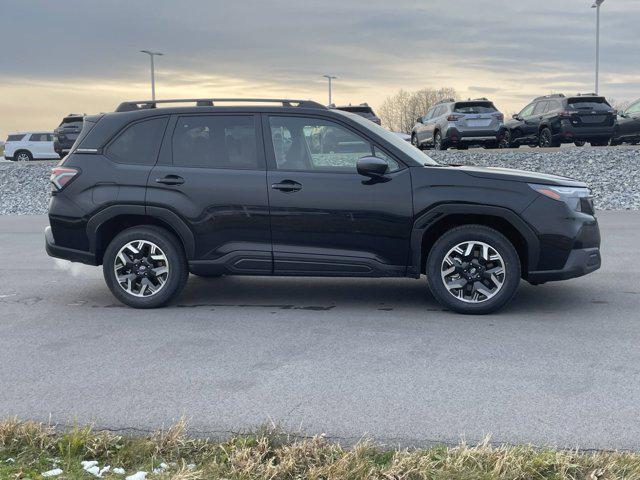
(93, 470)
(161, 468)
(119, 471)
(52, 473)
(88, 463)
(137, 476)
(191, 466)
(10, 460)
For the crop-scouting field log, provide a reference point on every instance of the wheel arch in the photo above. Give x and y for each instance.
(17, 151)
(431, 225)
(105, 225)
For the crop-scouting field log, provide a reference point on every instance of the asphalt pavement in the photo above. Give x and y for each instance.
(346, 357)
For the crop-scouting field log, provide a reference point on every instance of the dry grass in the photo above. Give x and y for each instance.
(36, 447)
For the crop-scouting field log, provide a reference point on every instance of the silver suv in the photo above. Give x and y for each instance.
(459, 124)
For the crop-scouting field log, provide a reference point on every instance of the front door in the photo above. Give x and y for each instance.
(326, 219)
(212, 174)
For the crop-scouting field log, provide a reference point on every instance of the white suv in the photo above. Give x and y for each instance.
(26, 146)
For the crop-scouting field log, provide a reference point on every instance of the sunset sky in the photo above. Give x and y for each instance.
(83, 56)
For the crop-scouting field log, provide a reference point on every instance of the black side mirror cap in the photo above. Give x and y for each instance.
(419, 120)
(515, 116)
(372, 167)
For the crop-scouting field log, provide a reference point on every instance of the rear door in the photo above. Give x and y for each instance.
(212, 174)
(37, 145)
(326, 219)
(630, 124)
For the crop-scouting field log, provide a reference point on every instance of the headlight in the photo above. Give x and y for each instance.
(577, 198)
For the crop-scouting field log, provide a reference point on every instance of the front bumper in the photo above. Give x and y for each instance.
(580, 262)
(65, 253)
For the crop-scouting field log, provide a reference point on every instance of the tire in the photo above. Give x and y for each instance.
(168, 284)
(438, 143)
(473, 301)
(23, 156)
(414, 142)
(545, 139)
(505, 141)
(579, 143)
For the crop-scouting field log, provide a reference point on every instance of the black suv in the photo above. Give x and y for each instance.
(627, 128)
(554, 119)
(364, 110)
(66, 134)
(155, 193)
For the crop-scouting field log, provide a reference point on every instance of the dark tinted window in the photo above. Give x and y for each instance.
(474, 107)
(39, 137)
(139, 143)
(15, 138)
(314, 144)
(71, 121)
(554, 105)
(526, 111)
(216, 141)
(634, 108)
(541, 107)
(589, 103)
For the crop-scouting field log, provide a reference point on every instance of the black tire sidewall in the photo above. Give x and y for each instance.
(28, 153)
(483, 234)
(169, 244)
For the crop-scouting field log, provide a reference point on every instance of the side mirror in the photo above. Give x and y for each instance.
(515, 116)
(372, 167)
(419, 120)
(622, 114)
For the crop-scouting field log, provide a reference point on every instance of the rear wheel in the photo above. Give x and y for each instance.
(438, 143)
(505, 141)
(145, 267)
(579, 143)
(23, 156)
(545, 139)
(473, 269)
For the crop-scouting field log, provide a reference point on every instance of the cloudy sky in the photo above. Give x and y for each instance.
(83, 56)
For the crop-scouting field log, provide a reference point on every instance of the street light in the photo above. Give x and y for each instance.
(153, 78)
(330, 78)
(597, 5)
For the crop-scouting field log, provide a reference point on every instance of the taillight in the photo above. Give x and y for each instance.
(61, 176)
(566, 113)
(499, 116)
(454, 118)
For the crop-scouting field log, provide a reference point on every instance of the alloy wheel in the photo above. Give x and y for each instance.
(23, 157)
(545, 138)
(473, 271)
(437, 141)
(505, 141)
(141, 268)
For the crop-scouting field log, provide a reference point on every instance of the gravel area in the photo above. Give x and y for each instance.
(613, 174)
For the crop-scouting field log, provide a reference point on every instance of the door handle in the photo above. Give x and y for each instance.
(287, 186)
(171, 180)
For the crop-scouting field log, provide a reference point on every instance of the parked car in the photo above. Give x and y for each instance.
(152, 194)
(551, 120)
(364, 110)
(67, 133)
(404, 136)
(459, 124)
(26, 146)
(627, 128)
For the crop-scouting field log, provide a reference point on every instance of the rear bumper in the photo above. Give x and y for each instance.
(569, 133)
(454, 135)
(580, 262)
(64, 253)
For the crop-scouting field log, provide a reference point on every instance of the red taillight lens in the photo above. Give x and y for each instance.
(566, 113)
(499, 116)
(61, 176)
(453, 117)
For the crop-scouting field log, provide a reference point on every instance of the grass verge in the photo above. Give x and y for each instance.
(29, 449)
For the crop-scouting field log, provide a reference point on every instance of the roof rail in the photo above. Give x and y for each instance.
(445, 100)
(552, 95)
(209, 102)
(480, 99)
(587, 95)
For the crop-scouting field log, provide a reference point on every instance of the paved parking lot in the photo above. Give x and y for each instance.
(348, 357)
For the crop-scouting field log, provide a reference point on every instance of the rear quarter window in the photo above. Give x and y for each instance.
(139, 143)
(14, 138)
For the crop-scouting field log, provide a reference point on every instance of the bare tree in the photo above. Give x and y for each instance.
(399, 112)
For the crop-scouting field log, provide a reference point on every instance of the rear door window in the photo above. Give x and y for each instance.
(139, 143)
(541, 107)
(216, 141)
(39, 137)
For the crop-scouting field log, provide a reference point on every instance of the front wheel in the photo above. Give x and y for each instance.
(579, 143)
(473, 269)
(505, 141)
(545, 139)
(23, 156)
(415, 142)
(145, 267)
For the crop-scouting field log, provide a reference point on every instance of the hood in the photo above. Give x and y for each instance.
(520, 176)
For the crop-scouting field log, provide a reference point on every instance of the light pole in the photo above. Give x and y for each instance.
(597, 5)
(330, 78)
(153, 77)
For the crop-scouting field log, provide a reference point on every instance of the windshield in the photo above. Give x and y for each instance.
(393, 139)
(589, 103)
(474, 107)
